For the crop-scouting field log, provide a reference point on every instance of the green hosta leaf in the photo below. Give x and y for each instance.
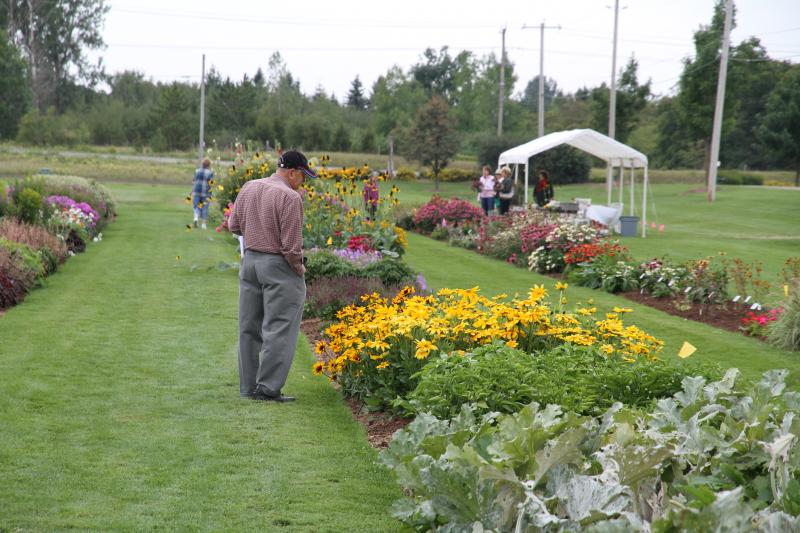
(791, 498)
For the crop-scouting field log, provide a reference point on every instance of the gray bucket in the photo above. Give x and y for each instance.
(628, 226)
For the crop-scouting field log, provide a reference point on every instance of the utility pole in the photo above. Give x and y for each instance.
(717, 129)
(390, 166)
(540, 113)
(502, 96)
(612, 100)
(202, 143)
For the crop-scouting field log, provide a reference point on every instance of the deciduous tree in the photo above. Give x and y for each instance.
(433, 140)
(54, 36)
(14, 91)
(780, 129)
(631, 100)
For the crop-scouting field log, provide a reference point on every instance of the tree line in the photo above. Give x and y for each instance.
(52, 95)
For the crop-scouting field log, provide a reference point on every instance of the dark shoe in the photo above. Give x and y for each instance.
(266, 397)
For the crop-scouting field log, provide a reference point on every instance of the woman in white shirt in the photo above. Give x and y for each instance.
(487, 192)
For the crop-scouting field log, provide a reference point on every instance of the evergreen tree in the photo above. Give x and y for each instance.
(172, 120)
(356, 98)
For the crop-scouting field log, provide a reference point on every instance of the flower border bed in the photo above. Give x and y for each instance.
(380, 426)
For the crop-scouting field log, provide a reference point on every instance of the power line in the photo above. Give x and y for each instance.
(277, 21)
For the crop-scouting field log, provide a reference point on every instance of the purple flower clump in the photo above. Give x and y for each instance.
(68, 203)
(359, 258)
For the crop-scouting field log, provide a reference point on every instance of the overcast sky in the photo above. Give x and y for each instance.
(328, 43)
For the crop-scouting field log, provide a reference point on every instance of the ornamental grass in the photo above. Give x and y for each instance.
(35, 237)
(375, 349)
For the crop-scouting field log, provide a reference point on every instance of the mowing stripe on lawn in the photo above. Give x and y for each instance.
(120, 407)
(448, 266)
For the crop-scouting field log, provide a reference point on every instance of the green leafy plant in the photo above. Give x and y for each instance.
(496, 377)
(28, 205)
(326, 264)
(390, 271)
(707, 280)
(719, 456)
(28, 257)
(611, 270)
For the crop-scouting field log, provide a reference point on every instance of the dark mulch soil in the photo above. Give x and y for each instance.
(379, 426)
(728, 316)
(312, 329)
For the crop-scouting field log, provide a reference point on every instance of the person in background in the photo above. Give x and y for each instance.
(269, 214)
(201, 193)
(505, 189)
(487, 193)
(476, 185)
(543, 192)
(371, 195)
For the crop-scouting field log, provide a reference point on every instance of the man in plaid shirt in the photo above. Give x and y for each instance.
(268, 213)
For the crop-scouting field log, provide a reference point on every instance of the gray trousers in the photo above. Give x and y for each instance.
(271, 297)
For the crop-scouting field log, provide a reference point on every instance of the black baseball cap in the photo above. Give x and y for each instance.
(294, 159)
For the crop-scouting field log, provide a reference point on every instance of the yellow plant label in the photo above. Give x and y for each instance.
(686, 350)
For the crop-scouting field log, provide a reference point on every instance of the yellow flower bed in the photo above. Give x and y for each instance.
(395, 337)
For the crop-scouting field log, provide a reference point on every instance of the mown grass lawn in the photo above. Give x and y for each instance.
(447, 266)
(751, 223)
(120, 405)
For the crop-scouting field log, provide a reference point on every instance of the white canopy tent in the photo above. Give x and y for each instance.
(616, 154)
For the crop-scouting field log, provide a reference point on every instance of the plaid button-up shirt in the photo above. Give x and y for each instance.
(201, 189)
(268, 213)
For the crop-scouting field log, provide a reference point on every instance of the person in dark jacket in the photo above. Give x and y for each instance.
(505, 189)
(543, 192)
